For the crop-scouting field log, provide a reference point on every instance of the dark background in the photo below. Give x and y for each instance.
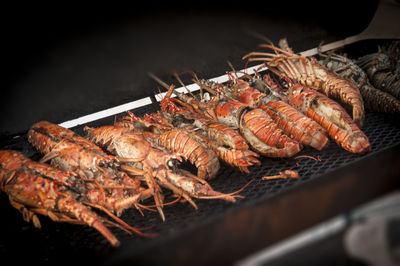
(64, 60)
(67, 60)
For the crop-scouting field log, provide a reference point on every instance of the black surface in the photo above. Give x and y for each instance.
(63, 61)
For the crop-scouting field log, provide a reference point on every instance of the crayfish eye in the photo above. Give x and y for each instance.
(171, 164)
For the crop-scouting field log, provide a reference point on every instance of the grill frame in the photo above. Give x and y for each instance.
(338, 183)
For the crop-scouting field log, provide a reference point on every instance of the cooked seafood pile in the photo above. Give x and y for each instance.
(297, 102)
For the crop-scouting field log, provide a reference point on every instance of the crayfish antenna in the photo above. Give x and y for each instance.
(196, 80)
(257, 35)
(166, 204)
(170, 88)
(233, 69)
(159, 81)
(183, 85)
(229, 196)
(195, 77)
(118, 220)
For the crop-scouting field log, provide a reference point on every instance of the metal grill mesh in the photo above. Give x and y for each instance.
(56, 239)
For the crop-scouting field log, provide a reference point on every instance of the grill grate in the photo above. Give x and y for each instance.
(56, 240)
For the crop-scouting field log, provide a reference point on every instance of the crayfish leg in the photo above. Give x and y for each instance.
(27, 214)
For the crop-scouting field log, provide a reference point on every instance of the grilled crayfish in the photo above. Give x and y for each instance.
(159, 132)
(255, 126)
(378, 68)
(130, 146)
(198, 118)
(308, 72)
(293, 123)
(111, 189)
(330, 115)
(374, 99)
(37, 188)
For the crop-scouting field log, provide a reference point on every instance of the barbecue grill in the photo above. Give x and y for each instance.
(218, 232)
